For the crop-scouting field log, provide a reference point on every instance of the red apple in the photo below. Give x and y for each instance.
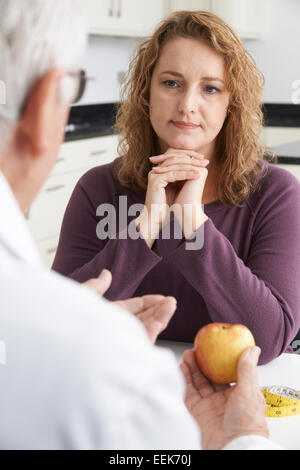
(218, 347)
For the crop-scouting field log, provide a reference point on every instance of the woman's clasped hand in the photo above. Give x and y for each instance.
(175, 183)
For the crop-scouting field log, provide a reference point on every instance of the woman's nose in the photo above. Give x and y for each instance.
(189, 103)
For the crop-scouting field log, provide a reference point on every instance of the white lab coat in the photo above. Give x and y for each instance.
(79, 373)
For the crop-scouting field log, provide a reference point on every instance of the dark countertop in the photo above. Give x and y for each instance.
(289, 153)
(281, 115)
(98, 120)
(86, 122)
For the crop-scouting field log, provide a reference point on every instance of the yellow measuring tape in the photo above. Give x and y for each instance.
(281, 401)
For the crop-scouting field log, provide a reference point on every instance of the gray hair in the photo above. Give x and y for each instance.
(35, 36)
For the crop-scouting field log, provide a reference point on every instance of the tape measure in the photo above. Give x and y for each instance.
(281, 401)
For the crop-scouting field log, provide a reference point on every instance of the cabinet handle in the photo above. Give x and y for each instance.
(97, 152)
(119, 12)
(55, 188)
(111, 8)
(52, 250)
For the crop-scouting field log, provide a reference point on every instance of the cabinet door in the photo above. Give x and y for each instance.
(47, 250)
(245, 16)
(190, 5)
(101, 15)
(84, 154)
(275, 136)
(75, 159)
(46, 214)
(154, 12)
(135, 18)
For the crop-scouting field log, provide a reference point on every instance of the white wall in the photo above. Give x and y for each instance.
(277, 55)
(106, 58)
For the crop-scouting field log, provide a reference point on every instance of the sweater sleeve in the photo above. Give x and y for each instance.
(263, 292)
(82, 254)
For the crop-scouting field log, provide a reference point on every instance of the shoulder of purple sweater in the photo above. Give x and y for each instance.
(100, 178)
(276, 185)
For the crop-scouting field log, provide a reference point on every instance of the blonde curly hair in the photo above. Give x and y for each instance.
(239, 151)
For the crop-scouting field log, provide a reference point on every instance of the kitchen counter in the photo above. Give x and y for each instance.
(281, 115)
(86, 122)
(282, 371)
(289, 154)
(98, 120)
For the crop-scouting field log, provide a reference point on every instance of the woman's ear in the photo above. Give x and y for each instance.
(43, 119)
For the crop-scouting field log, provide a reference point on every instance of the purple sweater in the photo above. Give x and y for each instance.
(248, 270)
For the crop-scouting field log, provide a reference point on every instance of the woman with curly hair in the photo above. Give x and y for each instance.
(190, 121)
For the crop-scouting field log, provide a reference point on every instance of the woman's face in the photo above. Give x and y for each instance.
(188, 97)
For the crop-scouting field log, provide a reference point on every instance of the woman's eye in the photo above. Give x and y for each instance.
(211, 90)
(171, 83)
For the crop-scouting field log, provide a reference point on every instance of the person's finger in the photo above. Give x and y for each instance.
(137, 305)
(172, 153)
(172, 176)
(186, 373)
(192, 397)
(247, 376)
(200, 381)
(181, 160)
(152, 300)
(154, 329)
(101, 284)
(162, 312)
(182, 166)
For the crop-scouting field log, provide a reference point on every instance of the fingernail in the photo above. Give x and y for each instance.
(104, 272)
(255, 352)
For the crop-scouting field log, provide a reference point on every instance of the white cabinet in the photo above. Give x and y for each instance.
(275, 136)
(139, 18)
(135, 18)
(47, 249)
(190, 5)
(245, 16)
(46, 214)
(101, 15)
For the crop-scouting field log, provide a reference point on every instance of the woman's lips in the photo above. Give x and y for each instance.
(185, 125)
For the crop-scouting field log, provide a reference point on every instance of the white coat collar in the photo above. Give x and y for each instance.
(14, 233)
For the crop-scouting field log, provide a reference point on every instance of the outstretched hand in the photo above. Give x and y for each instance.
(225, 412)
(100, 284)
(154, 311)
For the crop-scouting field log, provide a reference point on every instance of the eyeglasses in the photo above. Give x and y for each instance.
(76, 85)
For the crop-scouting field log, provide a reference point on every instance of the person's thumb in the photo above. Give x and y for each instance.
(247, 368)
(103, 282)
